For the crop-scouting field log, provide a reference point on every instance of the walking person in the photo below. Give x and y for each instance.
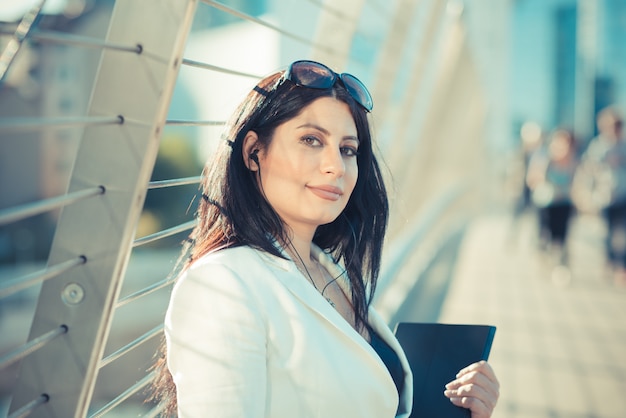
(551, 179)
(603, 172)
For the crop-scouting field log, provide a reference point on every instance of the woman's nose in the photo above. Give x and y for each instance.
(332, 162)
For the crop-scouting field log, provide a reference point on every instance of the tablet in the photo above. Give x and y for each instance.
(436, 353)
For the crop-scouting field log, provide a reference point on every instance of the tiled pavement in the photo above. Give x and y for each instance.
(560, 347)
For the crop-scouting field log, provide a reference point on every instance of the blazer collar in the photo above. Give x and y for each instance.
(302, 288)
(289, 275)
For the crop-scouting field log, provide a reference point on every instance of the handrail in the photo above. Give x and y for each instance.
(77, 40)
(30, 407)
(124, 395)
(20, 283)
(131, 346)
(206, 66)
(195, 122)
(391, 289)
(31, 346)
(144, 292)
(158, 184)
(31, 209)
(401, 247)
(165, 233)
(30, 124)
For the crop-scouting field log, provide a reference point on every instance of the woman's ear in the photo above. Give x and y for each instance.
(250, 151)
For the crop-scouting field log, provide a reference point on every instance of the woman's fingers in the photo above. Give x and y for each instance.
(476, 388)
(480, 366)
(470, 391)
(478, 409)
(476, 377)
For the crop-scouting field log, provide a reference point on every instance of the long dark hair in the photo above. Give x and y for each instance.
(233, 210)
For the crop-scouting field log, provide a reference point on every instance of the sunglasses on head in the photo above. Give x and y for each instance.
(314, 75)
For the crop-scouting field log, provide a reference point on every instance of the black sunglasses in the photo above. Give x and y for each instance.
(318, 76)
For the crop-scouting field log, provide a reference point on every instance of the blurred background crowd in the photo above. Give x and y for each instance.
(559, 176)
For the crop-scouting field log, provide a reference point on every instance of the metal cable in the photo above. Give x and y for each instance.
(345, 17)
(125, 395)
(77, 40)
(31, 346)
(207, 66)
(253, 19)
(195, 123)
(30, 124)
(336, 12)
(131, 346)
(31, 209)
(30, 407)
(174, 182)
(15, 43)
(144, 292)
(163, 234)
(23, 282)
(156, 411)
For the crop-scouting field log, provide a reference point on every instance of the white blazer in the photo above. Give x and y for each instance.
(248, 336)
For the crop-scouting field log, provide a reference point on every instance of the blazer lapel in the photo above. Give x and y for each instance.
(382, 329)
(289, 275)
(379, 326)
(293, 279)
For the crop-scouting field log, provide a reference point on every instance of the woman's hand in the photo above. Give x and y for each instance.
(475, 388)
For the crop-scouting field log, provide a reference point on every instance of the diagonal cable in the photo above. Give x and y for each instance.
(244, 16)
(15, 43)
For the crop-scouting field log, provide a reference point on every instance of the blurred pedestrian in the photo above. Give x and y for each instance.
(550, 178)
(603, 185)
(531, 147)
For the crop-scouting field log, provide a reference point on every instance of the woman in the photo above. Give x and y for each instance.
(271, 316)
(550, 177)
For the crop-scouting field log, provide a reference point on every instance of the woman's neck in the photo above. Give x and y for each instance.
(299, 248)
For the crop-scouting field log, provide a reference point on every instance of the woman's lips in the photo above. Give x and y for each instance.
(326, 192)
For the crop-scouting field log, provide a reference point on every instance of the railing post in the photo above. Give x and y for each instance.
(120, 158)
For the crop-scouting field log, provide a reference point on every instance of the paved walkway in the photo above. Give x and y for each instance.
(560, 346)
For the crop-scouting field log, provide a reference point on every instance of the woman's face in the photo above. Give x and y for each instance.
(560, 147)
(309, 170)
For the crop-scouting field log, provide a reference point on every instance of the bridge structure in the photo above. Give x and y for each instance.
(79, 328)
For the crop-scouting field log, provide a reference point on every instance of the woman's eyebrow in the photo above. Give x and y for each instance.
(314, 126)
(325, 131)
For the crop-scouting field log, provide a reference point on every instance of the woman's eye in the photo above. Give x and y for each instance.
(311, 140)
(349, 151)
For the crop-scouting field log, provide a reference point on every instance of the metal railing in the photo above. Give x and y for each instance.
(104, 200)
(82, 284)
